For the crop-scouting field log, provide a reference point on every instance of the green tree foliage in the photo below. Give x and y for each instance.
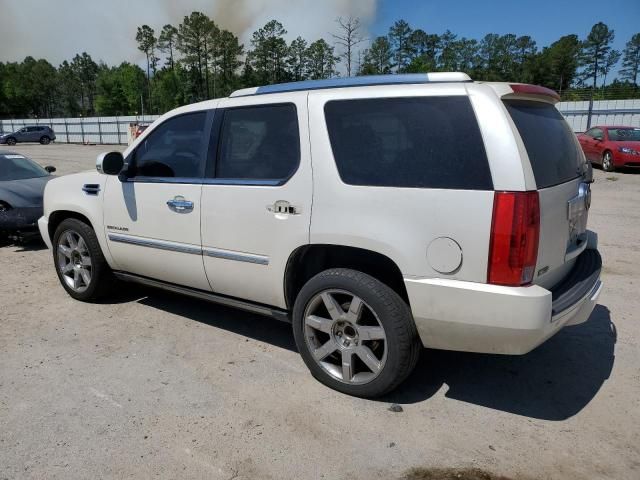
(86, 72)
(424, 49)
(200, 60)
(631, 60)
(557, 64)
(268, 59)
(195, 44)
(167, 43)
(119, 89)
(147, 43)
(400, 38)
(378, 58)
(297, 59)
(227, 54)
(321, 61)
(595, 51)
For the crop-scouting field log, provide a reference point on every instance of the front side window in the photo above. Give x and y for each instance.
(173, 149)
(595, 133)
(258, 143)
(418, 142)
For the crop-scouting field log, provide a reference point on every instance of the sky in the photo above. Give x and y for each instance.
(544, 20)
(58, 29)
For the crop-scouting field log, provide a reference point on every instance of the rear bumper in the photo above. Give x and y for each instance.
(474, 317)
(20, 219)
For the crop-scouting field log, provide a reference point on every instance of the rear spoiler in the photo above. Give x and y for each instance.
(524, 90)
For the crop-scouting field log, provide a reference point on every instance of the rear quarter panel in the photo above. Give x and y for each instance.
(397, 222)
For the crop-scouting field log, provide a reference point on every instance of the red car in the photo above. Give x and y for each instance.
(612, 147)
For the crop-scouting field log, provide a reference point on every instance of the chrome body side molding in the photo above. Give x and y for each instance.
(153, 243)
(233, 255)
(187, 248)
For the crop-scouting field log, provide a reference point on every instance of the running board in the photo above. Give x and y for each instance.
(276, 313)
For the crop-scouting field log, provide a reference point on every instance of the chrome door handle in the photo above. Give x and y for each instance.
(180, 205)
(283, 207)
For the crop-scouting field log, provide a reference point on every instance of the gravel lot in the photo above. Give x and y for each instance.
(155, 385)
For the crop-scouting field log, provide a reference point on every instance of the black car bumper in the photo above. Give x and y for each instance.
(20, 219)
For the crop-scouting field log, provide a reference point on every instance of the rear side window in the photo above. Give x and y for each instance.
(259, 143)
(173, 149)
(550, 143)
(419, 142)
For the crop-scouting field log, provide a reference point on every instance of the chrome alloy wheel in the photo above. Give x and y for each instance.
(345, 336)
(74, 261)
(607, 162)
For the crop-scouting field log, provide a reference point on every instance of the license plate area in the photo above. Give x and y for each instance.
(577, 213)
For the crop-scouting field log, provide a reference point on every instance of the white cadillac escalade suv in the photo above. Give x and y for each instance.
(378, 215)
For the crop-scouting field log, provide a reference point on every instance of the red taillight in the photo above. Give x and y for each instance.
(534, 90)
(515, 230)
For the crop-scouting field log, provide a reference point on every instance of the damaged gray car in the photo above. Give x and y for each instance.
(22, 183)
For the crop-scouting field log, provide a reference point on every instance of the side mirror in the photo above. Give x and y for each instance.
(110, 163)
(50, 169)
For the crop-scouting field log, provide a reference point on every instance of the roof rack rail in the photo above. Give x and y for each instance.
(370, 80)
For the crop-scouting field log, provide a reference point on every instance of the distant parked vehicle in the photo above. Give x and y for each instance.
(612, 147)
(22, 183)
(139, 130)
(31, 133)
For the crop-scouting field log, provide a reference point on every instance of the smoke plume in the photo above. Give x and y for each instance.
(57, 30)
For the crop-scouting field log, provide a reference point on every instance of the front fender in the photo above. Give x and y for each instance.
(66, 194)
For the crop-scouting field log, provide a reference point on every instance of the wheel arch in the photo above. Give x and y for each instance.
(58, 216)
(309, 260)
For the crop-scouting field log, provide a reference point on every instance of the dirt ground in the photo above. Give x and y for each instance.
(150, 384)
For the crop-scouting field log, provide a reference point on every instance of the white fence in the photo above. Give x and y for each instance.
(602, 112)
(115, 130)
(98, 130)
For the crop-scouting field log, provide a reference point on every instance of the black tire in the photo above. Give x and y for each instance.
(11, 141)
(102, 278)
(394, 315)
(44, 140)
(607, 162)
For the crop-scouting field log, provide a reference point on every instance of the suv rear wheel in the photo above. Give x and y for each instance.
(80, 264)
(355, 334)
(11, 141)
(44, 140)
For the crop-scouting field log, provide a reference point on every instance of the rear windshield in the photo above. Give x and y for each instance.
(426, 142)
(550, 143)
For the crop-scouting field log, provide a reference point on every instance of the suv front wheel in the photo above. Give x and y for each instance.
(355, 334)
(80, 264)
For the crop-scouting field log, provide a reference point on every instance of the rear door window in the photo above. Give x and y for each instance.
(551, 145)
(418, 142)
(259, 143)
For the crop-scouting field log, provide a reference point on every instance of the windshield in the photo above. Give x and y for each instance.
(19, 167)
(624, 134)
